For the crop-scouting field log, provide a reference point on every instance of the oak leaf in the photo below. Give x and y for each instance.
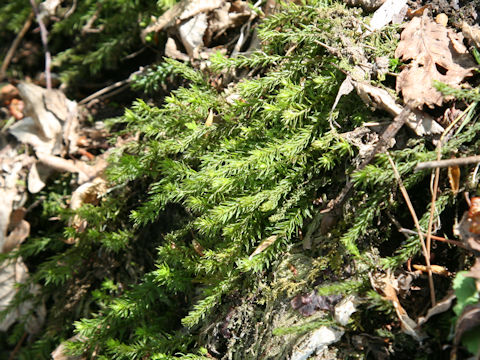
(435, 53)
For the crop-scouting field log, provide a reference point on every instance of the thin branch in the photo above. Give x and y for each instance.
(448, 162)
(44, 37)
(14, 352)
(15, 43)
(104, 91)
(417, 225)
(437, 238)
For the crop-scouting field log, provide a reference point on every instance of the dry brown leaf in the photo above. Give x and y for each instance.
(435, 53)
(454, 178)
(61, 353)
(387, 285)
(263, 245)
(472, 33)
(197, 247)
(181, 11)
(16, 236)
(88, 193)
(191, 33)
(171, 50)
(468, 320)
(209, 121)
(7, 93)
(441, 306)
(464, 230)
(436, 269)
(420, 122)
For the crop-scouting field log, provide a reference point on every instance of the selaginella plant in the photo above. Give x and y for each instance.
(214, 173)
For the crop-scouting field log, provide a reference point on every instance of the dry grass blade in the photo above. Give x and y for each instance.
(437, 174)
(417, 225)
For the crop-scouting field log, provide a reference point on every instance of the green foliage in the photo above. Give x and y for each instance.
(467, 294)
(99, 35)
(168, 251)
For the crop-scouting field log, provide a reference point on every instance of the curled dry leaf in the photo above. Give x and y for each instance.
(474, 215)
(61, 352)
(420, 122)
(88, 193)
(387, 286)
(16, 236)
(16, 107)
(472, 33)
(436, 269)
(454, 178)
(7, 93)
(440, 307)
(12, 273)
(390, 11)
(468, 320)
(435, 53)
(467, 229)
(263, 245)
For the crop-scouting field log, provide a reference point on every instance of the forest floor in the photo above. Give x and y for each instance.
(390, 114)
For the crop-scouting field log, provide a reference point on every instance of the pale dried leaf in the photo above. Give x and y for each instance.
(441, 306)
(391, 10)
(181, 11)
(60, 353)
(345, 88)
(48, 8)
(344, 310)
(88, 193)
(16, 236)
(172, 51)
(472, 33)
(37, 177)
(468, 320)
(191, 33)
(263, 245)
(6, 203)
(195, 7)
(435, 53)
(420, 122)
(47, 122)
(387, 285)
(26, 131)
(209, 120)
(12, 273)
(316, 342)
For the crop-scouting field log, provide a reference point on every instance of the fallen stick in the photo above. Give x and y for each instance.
(44, 38)
(14, 46)
(448, 162)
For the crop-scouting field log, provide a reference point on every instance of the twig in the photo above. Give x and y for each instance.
(15, 43)
(438, 238)
(14, 352)
(44, 37)
(71, 10)
(448, 162)
(417, 225)
(104, 91)
(114, 86)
